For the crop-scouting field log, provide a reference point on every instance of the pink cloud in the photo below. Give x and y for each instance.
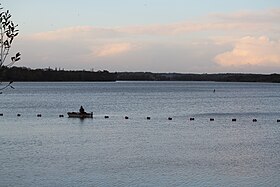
(251, 51)
(76, 33)
(263, 16)
(186, 28)
(193, 45)
(113, 49)
(61, 34)
(246, 21)
(234, 22)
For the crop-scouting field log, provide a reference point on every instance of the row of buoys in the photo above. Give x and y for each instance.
(148, 118)
(192, 119)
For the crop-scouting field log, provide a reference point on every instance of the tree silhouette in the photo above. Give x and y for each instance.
(8, 31)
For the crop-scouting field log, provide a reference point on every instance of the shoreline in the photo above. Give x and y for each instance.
(23, 74)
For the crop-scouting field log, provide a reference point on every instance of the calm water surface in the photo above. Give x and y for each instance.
(53, 151)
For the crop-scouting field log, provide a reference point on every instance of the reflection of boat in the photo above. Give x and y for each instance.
(79, 115)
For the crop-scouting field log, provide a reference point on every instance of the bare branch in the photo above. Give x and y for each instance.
(8, 32)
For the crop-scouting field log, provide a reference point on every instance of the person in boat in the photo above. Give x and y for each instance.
(82, 110)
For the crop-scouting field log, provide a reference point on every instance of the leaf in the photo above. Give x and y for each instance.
(6, 42)
(12, 38)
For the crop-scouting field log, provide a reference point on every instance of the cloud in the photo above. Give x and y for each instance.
(191, 27)
(76, 33)
(234, 22)
(251, 51)
(183, 46)
(113, 49)
(242, 21)
(263, 16)
(61, 34)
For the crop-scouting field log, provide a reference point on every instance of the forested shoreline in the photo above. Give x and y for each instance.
(23, 74)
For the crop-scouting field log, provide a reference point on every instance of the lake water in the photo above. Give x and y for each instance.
(52, 151)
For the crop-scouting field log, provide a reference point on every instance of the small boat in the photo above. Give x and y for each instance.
(80, 115)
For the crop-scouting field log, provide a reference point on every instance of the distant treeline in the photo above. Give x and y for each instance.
(27, 74)
(221, 77)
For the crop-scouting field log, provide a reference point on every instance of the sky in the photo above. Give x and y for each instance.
(184, 36)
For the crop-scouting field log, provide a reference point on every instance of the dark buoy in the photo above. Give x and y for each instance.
(126, 117)
(39, 115)
(106, 117)
(1, 115)
(170, 118)
(191, 119)
(255, 120)
(18, 115)
(233, 119)
(148, 118)
(212, 119)
(278, 120)
(61, 116)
